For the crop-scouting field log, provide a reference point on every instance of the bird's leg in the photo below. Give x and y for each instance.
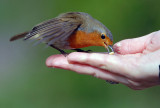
(80, 50)
(61, 51)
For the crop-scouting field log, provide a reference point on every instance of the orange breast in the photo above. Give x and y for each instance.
(81, 39)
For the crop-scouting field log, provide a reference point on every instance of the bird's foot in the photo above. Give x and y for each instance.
(80, 50)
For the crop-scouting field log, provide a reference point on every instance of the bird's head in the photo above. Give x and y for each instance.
(102, 35)
(91, 32)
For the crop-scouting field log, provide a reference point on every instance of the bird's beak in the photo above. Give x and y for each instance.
(107, 48)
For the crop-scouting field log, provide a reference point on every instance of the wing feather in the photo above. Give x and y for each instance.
(53, 30)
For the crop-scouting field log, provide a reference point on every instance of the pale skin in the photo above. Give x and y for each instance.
(135, 63)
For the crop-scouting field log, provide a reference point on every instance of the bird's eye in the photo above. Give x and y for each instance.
(103, 36)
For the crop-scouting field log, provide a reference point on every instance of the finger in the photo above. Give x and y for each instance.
(153, 43)
(132, 46)
(113, 63)
(50, 59)
(61, 62)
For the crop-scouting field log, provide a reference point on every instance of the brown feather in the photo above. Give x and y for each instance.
(18, 36)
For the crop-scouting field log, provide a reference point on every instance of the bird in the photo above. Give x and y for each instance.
(71, 30)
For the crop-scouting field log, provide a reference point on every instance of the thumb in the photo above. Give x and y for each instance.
(132, 46)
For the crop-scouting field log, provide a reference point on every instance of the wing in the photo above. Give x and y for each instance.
(55, 29)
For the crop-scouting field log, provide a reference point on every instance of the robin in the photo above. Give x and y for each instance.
(72, 30)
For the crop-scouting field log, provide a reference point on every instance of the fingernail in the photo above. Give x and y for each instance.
(56, 63)
(49, 62)
(118, 44)
(116, 47)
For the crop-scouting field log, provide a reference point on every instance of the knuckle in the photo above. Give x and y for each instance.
(135, 85)
(90, 58)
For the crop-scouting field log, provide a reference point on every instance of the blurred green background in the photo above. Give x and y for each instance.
(25, 81)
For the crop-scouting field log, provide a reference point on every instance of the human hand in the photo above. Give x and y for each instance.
(135, 63)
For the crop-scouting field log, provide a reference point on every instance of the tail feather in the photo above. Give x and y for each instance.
(21, 35)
